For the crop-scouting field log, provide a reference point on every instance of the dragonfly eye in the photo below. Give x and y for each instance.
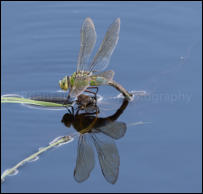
(63, 83)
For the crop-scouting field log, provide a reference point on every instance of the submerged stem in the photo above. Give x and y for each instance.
(12, 170)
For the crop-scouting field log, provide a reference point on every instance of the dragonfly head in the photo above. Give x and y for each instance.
(64, 83)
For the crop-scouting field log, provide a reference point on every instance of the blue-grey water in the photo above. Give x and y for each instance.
(159, 51)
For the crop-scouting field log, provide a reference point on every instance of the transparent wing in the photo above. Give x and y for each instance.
(103, 56)
(108, 75)
(87, 42)
(103, 78)
(85, 159)
(114, 129)
(108, 156)
(80, 85)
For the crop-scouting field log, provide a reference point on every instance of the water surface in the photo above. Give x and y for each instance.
(159, 51)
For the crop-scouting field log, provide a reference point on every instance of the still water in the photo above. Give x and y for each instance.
(159, 51)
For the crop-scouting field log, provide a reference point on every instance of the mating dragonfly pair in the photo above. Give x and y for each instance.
(89, 75)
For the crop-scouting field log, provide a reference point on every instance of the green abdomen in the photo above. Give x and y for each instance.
(97, 81)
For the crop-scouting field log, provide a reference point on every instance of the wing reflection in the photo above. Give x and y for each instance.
(85, 159)
(99, 133)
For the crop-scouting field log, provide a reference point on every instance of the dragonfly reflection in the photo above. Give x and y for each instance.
(99, 133)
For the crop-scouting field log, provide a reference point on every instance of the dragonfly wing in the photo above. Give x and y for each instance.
(104, 77)
(108, 156)
(87, 42)
(102, 58)
(79, 86)
(114, 129)
(85, 159)
(108, 75)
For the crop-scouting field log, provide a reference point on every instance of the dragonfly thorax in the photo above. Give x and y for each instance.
(68, 81)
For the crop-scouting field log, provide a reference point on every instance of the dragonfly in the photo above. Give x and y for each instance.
(88, 74)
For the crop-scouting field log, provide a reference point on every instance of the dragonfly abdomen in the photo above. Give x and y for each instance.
(98, 81)
(120, 88)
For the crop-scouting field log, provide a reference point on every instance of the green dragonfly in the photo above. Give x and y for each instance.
(90, 74)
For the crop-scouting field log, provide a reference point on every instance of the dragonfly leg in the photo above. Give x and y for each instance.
(95, 93)
(78, 110)
(67, 107)
(97, 111)
(70, 111)
(93, 87)
(90, 92)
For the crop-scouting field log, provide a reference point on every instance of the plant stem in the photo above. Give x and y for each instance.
(12, 170)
